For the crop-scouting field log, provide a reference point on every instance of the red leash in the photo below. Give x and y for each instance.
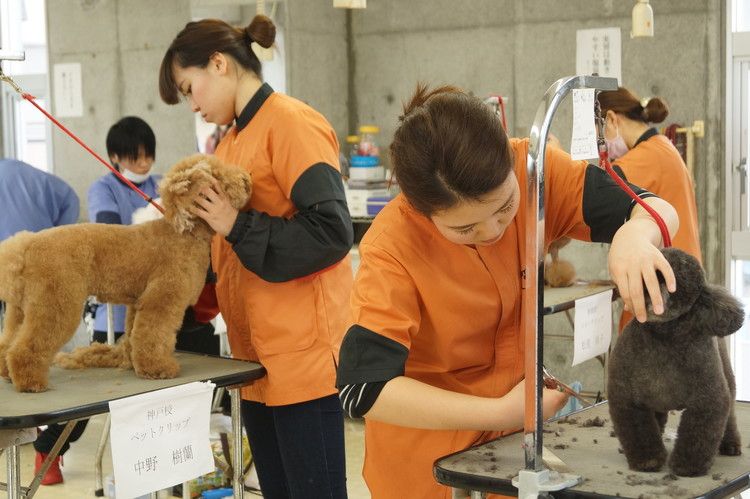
(604, 163)
(30, 98)
(62, 127)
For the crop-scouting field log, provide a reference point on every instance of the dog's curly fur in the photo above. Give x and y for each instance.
(677, 360)
(156, 268)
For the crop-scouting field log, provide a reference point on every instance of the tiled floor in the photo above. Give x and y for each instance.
(79, 464)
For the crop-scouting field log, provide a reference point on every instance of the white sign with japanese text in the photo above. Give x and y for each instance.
(592, 331)
(68, 90)
(160, 438)
(598, 51)
(583, 143)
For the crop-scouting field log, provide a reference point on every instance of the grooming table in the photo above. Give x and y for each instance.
(593, 453)
(76, 394)
(561, 299)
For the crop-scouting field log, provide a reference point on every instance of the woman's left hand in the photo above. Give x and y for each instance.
(213, 206)
(633, 261)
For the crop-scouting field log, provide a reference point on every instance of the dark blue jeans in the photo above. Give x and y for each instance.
(298, 449)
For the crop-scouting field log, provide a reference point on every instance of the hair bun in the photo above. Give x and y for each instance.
(655, 111)
(423, 94)
(261, 30)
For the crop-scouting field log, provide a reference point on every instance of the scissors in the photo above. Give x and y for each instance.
(555, 384)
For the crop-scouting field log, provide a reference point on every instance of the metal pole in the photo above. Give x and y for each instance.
(534, 257)
(99, 492)
(12, 455)
(110, 325)
(237, 462)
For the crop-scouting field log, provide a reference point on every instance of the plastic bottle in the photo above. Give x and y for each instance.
(368, 145)
(352, 146)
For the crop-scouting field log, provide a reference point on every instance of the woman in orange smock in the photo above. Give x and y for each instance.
(434, 360)
(283, 274)
(649, 159)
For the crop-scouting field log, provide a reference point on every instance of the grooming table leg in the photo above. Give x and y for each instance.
(99, 491)
(13, 457)
(237, 481)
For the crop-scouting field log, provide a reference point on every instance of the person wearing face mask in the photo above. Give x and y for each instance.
(650, 160)
(435, 359)
(131, 146)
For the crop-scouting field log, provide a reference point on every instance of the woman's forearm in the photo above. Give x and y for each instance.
(641, 219)
(408, 402)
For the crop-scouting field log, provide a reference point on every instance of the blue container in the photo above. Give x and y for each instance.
(364, 161)
(375, 204)
(217, 493)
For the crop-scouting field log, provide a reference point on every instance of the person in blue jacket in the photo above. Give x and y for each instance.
(131, 146)
(33, 200)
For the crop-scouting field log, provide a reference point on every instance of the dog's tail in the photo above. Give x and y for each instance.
(12, 261)
(95, 355)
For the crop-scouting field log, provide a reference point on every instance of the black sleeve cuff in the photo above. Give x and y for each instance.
(367, 357)
(357, 400)
(238, 229)
(108, 217)
(606, 207)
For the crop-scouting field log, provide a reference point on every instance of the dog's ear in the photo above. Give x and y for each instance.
(235, 182)
(690, 282)
(179, 187)
(717, 312)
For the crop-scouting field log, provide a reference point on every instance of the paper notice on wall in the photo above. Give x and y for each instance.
(68, 90)
(598, 51)
(592, 331)
(583, 142)
(160, 438)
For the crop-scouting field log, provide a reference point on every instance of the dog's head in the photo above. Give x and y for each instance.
(705, 309)
(187, 178)
(690, 281)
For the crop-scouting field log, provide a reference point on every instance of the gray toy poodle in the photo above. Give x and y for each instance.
(677, 361)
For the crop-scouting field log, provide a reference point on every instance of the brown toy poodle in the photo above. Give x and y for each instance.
(677, 361)
(156, 268)
(559, 273)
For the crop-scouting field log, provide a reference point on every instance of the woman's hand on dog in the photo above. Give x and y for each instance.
(212, 205)
(635, 260)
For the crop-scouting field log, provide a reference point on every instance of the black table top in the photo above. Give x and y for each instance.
(592, 452)
(74, 394)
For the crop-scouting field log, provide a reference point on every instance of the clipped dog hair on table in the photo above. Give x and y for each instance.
(157, 269)
(675, 361)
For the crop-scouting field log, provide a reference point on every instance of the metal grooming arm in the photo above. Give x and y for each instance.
(9, 55)
(535, 478)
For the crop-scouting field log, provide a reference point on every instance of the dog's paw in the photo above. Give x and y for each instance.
(685, 467)
(650, 464)
(160, 369)
(25, 383)
(730, 448)
(31, 387)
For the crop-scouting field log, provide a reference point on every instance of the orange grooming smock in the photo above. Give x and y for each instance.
(654, 164)
(293, 328)
(453, 311)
